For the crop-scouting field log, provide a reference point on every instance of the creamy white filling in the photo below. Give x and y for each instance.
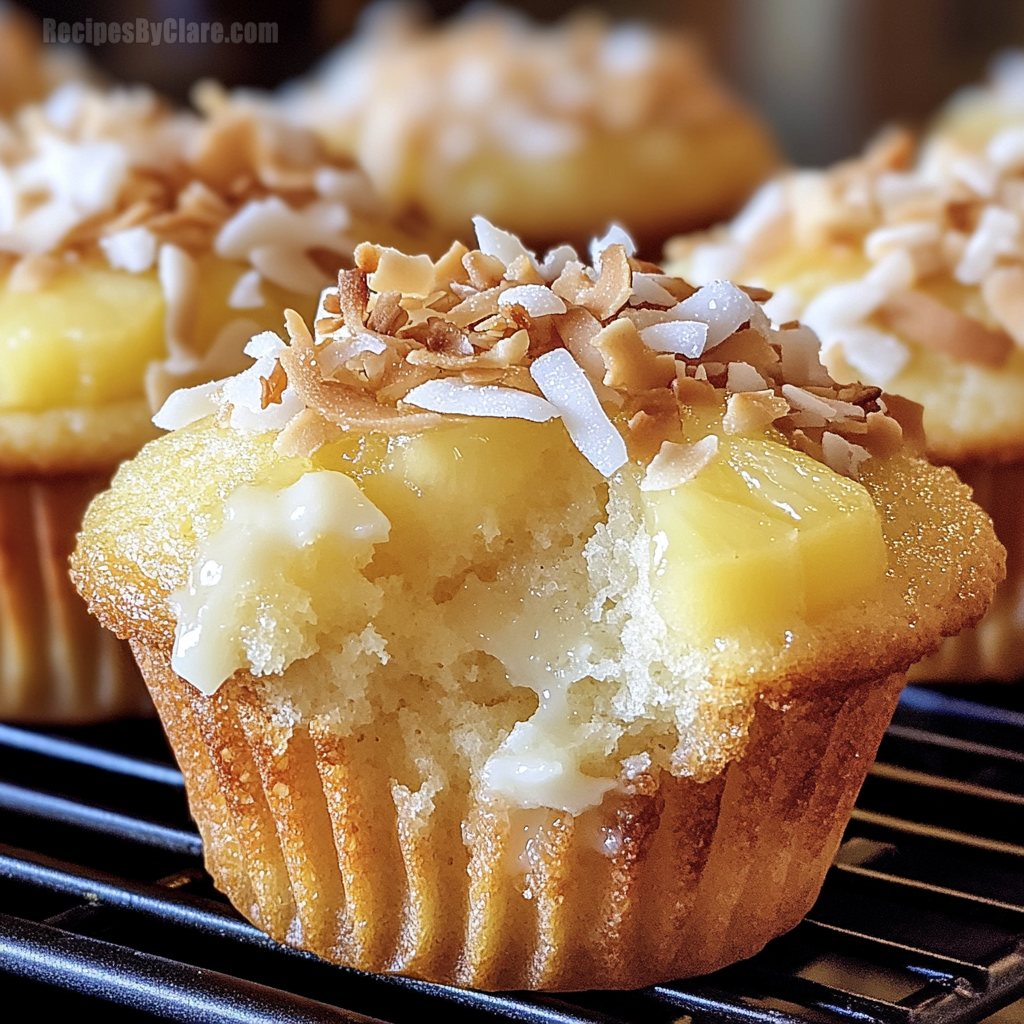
(231, 615)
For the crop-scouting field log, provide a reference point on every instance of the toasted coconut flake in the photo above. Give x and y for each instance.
(353, 295)
(753, 410)
(347, 407)
(683, 337)
(605, 296)
(33, 273)
(444, 336)
(615, 235)
(720, 305)
(305, 433)
(187, 405)
(577, 329)
(523, 270)
(337, 353)
(273, 386)
(564, 384)
(449, 268)
(647, 288)
(883, 436)
(804, 401)
(910, 416)
(475, 308)
(743, 377)
(629, 363)
(409, 275)
(454, 396)
(931, 324)
(801, 357)
(506, 351)
(841, 456)
(536, 299)
(675, 464)
(1003, 290)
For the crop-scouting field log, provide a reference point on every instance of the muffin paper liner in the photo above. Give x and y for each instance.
(993, 650)
(58, 665)
(312, 838)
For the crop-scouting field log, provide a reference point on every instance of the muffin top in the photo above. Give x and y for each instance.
(490, 113)
(141, 247)
(910, 272)
(493, 471)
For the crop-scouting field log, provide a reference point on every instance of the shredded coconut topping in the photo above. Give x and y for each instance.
(404, 341)
(952, 218)
(117, 174)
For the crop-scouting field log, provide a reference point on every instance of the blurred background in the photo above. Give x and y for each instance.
(826, 73)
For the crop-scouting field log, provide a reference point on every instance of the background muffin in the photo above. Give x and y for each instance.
(551, 130)
(912, 275)
(538, 624)
(139, 250)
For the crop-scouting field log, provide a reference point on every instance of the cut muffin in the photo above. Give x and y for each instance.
(139, 250)
(550, 130)
(530, 624)
(913, 276)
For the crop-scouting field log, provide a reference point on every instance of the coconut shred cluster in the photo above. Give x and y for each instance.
(616, 349)
(117, 176)
(492, 79)
(955, 216)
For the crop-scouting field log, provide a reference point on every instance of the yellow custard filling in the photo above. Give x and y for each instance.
(86, 336)
(965, 403)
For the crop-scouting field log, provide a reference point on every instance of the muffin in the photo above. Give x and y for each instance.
(550, 130)
(912, 273)
(529, 624)
(139, 251)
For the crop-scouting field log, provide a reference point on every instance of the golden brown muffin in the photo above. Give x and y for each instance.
(139, 250)
(551, 130)
(912, 274)
(530, 624)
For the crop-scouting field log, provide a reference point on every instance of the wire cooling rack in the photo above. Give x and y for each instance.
(104, 904)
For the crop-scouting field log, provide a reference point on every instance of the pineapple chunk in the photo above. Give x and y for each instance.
(86, 338)
(764, 539)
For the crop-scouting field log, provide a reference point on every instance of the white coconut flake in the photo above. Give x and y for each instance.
(133, 249)
(458, 397)
(647, 289)
(806, 402)
(338, 353)
(675, 464)
(187, 405)
(179, 279)
(246, 293)
(271, 222)
(245, 393)
(288, 266)
(265, 345)
(997, 234)
(564, 384)
(978, 175)
(555, 261)
(801, 357)
(720, 305)
(1006, 149)
(536, 299)
(615, 235)
(843, 305)
(714, 262)
(682, 337)
(906, 236)
(784, 306)
(841, 456)
(502, 245)
(876, 355)
(743, 377)
(766, 208)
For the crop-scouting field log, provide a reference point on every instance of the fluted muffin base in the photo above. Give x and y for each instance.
(311, 837)
(994, 649)
(58, 665)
